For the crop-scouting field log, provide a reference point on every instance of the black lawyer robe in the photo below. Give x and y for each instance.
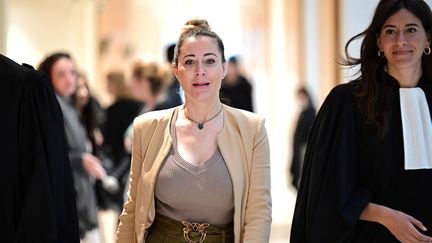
(37, 201)
(347, 165)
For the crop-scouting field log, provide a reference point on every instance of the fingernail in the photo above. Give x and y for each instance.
(424, 228)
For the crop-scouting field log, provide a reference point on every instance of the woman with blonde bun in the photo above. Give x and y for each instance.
(200, 172)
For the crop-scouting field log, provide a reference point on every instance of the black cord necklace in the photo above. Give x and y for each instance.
(200, 125)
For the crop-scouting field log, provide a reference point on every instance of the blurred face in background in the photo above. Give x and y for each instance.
(233, 73)
(140, 89)
(82, 92)
(64, 77)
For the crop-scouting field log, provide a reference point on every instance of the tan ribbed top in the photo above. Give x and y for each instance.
(198, 194)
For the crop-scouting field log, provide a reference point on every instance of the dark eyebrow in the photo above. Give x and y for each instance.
(393, 26)
(411, 25)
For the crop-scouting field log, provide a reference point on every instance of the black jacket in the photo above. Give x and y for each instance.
(37, 201)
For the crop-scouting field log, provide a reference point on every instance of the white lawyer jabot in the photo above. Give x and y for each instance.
(417, 129)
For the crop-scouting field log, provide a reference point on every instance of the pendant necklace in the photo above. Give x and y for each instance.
(200, 125)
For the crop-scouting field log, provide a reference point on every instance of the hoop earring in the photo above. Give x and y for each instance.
(427, 51)
(379, 53)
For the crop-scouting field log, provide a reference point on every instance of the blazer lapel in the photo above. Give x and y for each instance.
(162, 149)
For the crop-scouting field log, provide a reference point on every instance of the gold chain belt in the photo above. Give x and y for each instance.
(194, 227)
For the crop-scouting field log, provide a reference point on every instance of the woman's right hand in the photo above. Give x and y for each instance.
(404, 227)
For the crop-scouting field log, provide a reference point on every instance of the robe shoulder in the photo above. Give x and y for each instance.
(330, 199)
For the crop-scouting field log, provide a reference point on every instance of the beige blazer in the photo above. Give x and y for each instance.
(244, 146)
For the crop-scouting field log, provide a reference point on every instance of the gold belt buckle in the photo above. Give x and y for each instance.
(195, 227)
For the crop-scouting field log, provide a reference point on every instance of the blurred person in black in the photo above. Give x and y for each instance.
(38, 200)
(91, 113)
(236, 89)
(301, 134)
(92, 116)
(119, 115)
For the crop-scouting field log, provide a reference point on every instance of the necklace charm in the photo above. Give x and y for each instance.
(200, 125)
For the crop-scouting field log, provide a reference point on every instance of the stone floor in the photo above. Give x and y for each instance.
(283, 208)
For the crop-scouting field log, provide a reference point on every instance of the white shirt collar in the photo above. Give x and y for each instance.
(417, 129)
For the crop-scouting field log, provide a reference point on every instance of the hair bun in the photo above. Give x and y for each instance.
(193, 23)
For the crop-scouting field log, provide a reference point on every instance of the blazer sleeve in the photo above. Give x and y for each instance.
(258, 207)
(330, 198)
(126, 227)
